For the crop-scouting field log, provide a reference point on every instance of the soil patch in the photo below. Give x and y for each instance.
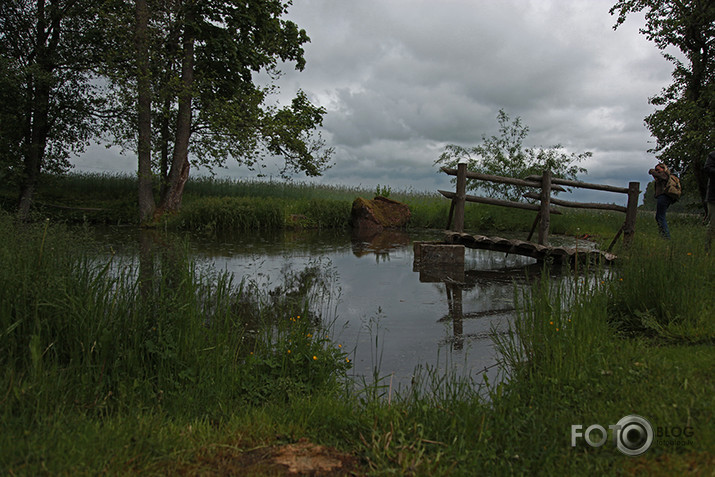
(300, 458)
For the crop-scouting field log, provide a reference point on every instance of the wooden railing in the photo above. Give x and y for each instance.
(546, 183)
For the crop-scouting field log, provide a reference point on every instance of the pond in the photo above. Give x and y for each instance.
(392, 317)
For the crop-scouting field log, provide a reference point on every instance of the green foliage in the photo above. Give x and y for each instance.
(79, 332)
(684, 123)
(224, 214)
(506, 155)
(203, 59)
(48, 95)
(672, 306)
(89, 386)
(383, 191)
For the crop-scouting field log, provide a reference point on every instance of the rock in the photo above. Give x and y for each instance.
(372, 216)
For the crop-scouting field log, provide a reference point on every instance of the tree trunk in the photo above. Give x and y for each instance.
(39, 87)
(165, 139)
(179, 173)
(146, 196)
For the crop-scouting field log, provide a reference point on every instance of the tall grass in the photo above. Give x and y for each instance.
(665, 288)
(94, 335)
(109, 368)
(215, 205)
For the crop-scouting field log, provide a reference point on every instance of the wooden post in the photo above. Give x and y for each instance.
(460, 199)
(629, 227)
(533, 226)
(545, 206)
(451, 214)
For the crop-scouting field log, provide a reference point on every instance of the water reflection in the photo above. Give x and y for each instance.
(378, 244)
(390, 315)
(473, 280)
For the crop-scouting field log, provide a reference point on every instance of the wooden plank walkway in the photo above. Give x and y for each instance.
(529, 249)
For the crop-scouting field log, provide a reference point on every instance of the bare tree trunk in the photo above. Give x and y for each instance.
(179, 173)
(146, 196)
(37, 128)
(165, 139)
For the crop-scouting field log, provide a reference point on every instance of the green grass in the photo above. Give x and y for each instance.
(156, 367)
(216, 205)
(87, 341)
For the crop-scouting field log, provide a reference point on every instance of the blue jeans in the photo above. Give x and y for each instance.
(662, 204)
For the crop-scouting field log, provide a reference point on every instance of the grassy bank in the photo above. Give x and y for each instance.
(155, 367)
(213, 205)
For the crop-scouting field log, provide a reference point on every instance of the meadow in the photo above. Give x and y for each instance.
(155, 367)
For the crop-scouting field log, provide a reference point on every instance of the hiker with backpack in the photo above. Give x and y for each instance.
(667, 191)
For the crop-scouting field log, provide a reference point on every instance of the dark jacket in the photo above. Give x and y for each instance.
(709, 169)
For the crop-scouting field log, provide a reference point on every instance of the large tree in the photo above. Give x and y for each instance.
(684, 124)
(506, 155)
(46, 91)
(197, 59)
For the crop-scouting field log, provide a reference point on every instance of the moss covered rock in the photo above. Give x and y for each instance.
(378, 214)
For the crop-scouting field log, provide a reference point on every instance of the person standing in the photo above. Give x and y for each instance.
(709, 169)
(661, 173)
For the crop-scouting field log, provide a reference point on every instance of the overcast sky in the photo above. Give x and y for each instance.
(401, 79)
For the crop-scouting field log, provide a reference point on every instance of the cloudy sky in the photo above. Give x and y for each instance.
(401, 79)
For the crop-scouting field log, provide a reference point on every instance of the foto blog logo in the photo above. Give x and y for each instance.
(632, 435)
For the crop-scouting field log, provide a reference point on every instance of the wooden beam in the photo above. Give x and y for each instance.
(499, 179)
(503, 203)
(579, 205)
(459, 198)
(545, 219)
(629, 227)
(583, 185)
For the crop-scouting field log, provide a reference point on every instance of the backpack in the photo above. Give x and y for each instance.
(672, 187)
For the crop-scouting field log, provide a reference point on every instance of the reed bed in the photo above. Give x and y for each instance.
(84, 334)
(216, 205)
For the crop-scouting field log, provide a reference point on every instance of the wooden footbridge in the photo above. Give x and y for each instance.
(541, 250)
(529, 249)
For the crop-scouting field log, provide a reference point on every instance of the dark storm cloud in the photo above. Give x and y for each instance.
(402, 79)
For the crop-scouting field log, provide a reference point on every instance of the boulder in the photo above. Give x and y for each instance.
(372, 216)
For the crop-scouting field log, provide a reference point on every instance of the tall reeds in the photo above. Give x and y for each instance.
(78, 331)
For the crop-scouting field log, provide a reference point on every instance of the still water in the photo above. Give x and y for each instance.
(391, 316)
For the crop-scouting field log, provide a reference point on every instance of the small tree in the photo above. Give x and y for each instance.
(506, 155)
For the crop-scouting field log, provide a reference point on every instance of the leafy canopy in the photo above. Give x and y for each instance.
(684, 123)
(232, 115)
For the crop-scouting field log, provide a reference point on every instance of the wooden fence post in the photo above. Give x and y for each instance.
(629, 227)
(460, 198)
(545, 206)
